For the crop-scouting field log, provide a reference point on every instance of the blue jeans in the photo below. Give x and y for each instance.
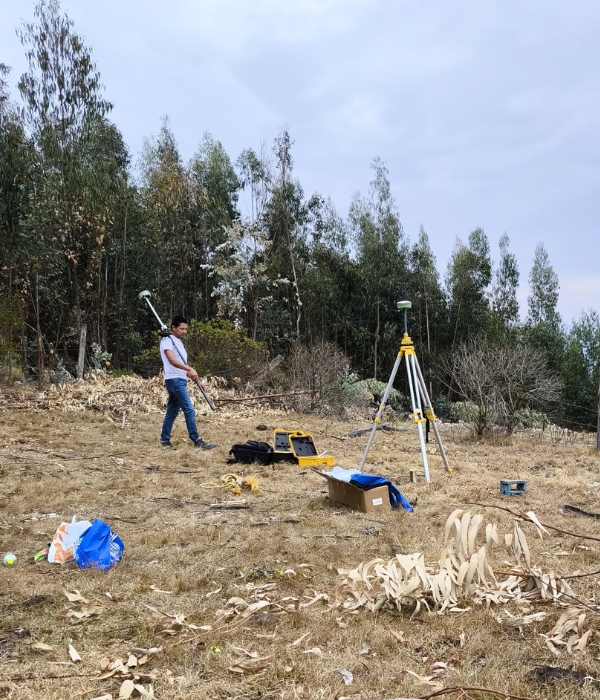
(178, 400)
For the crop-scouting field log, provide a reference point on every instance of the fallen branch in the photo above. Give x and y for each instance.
(275, 522)
(589, 573)
(31, 677)
(465, 689)
(530, 574)
(527, 519)
(578, 511)
(68, 459)
(264, 396)
(229, 505)
(378, 426)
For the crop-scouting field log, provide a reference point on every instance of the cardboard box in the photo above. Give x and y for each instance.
(358, 499)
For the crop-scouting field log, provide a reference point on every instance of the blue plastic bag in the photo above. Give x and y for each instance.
(99, 547)
(370, 481)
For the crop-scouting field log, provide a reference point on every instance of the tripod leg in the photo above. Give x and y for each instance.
(416, 405)
(428, 405)
(380, 411)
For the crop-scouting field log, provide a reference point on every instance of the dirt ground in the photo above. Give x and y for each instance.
(182, 558)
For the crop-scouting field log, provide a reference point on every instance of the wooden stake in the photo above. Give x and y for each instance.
(413, 476)
(81, 359)
(264, 396)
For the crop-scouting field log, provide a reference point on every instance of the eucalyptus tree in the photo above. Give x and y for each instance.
(505, 306)
(543, 326)
(581, 370)
(329, 282)
(169, 196)
(15, 166)
(467, 280)
(543, 289)
(256, 175)
(244, 290)
(81, 159)
(15, 171)
(4, 91)
(429, 305)
(283, 218)
(214, 194)
(382, 260)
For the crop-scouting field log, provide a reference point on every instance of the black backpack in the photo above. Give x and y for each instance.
(252, 451)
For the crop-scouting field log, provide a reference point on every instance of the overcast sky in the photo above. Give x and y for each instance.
(486, 113)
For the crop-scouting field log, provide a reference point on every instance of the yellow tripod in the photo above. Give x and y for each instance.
(419, 398)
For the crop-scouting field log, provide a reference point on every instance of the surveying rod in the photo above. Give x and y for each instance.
(145, 295)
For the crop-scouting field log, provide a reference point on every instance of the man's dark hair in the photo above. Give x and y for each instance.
(177, 321)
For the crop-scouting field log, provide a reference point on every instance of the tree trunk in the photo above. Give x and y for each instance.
(105, 307)
(376, 343)
(449, 394)
(598, 424)
(298, 300)
(40, 342)
(81, 359)
(24, 351)
(123, 259)
(10, 316)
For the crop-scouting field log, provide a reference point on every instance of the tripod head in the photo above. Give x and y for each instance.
(404, 306)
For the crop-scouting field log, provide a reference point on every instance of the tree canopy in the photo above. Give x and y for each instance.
(84, 227)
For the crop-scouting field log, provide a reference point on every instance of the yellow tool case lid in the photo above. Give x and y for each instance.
(281, 440)
(303, 447)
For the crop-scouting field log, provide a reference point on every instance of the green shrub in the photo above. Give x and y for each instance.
(530, 418)
(215, 348)
(100, 358)
(116, 373)
(376, 389)
(465, 411)
(60, 374)
(441, 407)
(219, 349)
(148, 361)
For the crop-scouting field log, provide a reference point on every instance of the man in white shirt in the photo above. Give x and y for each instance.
(177, 371)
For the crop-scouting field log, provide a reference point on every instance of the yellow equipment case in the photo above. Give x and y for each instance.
(302, 447)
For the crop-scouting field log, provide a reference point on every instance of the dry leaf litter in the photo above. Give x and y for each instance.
(463, 573)
(115, 396)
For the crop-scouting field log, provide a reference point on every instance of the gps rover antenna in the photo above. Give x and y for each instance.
(145, 295)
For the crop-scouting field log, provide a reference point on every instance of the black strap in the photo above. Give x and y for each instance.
(176, 349)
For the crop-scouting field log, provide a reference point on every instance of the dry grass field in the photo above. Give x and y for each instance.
(184, 563)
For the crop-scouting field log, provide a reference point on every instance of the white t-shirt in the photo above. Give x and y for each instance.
(174, 344)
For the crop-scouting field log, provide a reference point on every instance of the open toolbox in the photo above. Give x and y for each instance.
(301, 446)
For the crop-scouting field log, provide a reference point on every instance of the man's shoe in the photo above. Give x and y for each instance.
(167, 443)
(205, 445)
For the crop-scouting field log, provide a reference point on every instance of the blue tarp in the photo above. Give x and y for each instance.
(371, 481)
(365, 481)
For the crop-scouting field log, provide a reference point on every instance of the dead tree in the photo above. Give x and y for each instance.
(501, 380)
